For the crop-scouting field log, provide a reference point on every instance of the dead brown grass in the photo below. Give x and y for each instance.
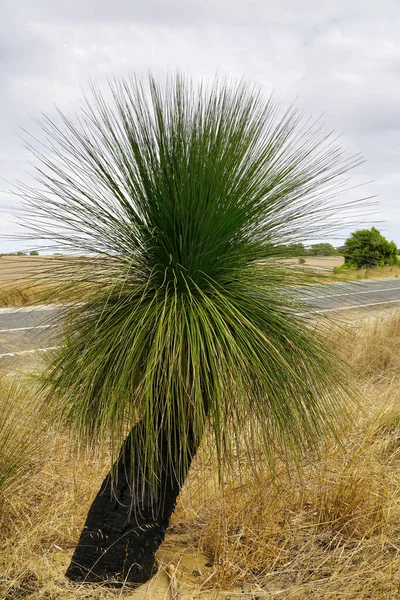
(361, 274)
(331, 531)
(13, 269)
(21, 295)
(27, 279)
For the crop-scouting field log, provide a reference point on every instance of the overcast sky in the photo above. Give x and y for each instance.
(340, 57)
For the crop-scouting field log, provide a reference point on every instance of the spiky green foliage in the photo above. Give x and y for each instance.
(184, 196)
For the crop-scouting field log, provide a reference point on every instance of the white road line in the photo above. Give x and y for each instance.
(27, 328)
(324, 310)
(22, 309)
(349, 294)
(28, 351)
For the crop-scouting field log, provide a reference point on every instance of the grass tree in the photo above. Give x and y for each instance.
(177, 200)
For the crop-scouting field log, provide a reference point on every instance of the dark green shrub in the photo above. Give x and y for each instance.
(293, 250)
(367, 248)
(322, 249)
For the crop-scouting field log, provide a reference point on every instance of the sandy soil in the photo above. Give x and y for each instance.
(320, 263)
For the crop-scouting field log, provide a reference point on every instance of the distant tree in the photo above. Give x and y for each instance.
(293, 250)
(322, 249)
(298, 249)
(34, 253)
(368, 248)
(20, 253)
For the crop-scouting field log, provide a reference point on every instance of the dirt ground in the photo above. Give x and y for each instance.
(320, 263)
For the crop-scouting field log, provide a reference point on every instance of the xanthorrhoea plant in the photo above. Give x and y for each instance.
(181, 196)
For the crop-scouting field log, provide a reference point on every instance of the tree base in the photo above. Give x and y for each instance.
(124, 527)
(114, 547)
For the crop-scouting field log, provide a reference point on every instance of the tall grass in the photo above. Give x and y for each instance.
(17, 294)
(331, 530)
(20, 436)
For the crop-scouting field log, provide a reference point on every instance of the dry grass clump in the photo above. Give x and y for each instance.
(41, 514)
(333, 530)
(20, 443)
(20, 295)
(374, 349)
(374, 273)
(329, 531)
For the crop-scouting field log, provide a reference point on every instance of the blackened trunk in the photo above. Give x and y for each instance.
(126, 522)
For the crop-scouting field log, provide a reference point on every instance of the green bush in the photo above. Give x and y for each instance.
(343, 269)
(367, 248)
(34, 253)
(322, 249)
(293, 250)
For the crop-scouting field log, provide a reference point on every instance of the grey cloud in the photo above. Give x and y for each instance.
(338, 57)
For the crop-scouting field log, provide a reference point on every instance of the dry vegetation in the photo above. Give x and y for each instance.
(20, 295)
(322, 268)
(331, 531)
(23, 279)
(376, 273)
(325, 264)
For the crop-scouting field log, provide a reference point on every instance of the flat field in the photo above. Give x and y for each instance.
(26, 279)
(17, 269)
(29, 279)
(324, 264)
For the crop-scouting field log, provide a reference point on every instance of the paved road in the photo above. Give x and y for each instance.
(24, 331)
(351, 295)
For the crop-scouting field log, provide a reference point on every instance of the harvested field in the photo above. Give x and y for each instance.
(14, 269)
(27, 279)
(324, 264)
